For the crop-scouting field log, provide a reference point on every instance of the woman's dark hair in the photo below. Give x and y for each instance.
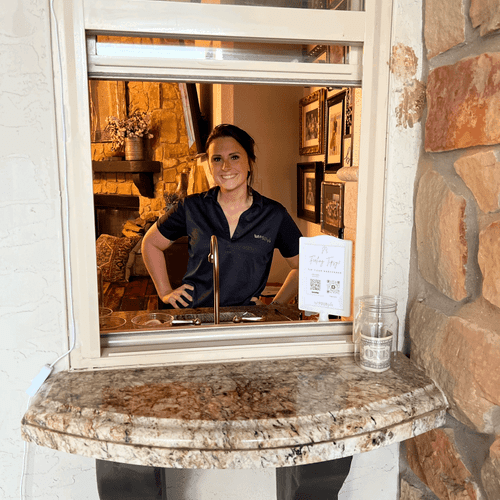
(240, 136)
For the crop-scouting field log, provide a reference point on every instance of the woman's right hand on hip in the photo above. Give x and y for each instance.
(177, 296)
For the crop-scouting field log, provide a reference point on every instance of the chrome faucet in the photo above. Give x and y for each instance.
(213, 258)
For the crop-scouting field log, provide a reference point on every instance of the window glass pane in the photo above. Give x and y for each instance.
(293, 4)
(221, 50)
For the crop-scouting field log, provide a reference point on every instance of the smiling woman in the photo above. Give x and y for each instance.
(248, 227)
(231, 158)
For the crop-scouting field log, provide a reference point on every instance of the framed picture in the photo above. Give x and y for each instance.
(318, 54)
(336, 54)
(334, 132)
(309, 177)
(347, 162)
(311, 119)
(196, 125)
(332, 208)
(349, 101)
(106, 98)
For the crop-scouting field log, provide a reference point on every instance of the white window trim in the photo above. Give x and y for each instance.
(149, 18)
(125, 67)
(179, 19)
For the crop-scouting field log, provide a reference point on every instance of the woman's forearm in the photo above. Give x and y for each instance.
(154, 260)
(289, 288)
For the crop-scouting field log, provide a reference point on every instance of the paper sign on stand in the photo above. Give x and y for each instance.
(325, 264)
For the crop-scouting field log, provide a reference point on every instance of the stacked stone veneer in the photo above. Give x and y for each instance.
(169, 146)
(454, 320)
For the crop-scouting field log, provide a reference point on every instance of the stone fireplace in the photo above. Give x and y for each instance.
(169, 149)
(130, 196)
(112, 211)
(169, 146)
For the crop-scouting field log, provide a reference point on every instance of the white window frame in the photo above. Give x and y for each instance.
(370, 29)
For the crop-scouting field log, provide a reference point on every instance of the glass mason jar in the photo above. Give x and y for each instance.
(375, 330)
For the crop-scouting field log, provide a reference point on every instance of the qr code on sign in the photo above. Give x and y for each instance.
(315, 285)
(332, 287)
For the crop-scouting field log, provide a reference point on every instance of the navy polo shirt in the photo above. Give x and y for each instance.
(244, 259)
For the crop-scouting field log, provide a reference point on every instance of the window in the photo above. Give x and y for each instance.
(178, 20)
(295, 4)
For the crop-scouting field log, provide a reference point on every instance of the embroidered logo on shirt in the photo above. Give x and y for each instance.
(260, 237)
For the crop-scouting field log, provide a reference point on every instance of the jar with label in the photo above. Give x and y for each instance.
(374, 330)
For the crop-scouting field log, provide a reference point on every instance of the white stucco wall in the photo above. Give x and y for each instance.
(32, 297)
(402, 159)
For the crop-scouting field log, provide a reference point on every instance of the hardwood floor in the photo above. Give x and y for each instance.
(138, 294)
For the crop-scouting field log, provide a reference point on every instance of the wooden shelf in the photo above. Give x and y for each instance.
(142, 172)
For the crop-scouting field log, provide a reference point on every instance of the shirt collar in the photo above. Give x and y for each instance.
(257, 197)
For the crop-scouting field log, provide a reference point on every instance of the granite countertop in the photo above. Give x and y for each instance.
(254, 414)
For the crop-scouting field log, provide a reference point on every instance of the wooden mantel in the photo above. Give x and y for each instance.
(142, 172)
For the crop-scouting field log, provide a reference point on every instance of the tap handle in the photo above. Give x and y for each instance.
(213, 258)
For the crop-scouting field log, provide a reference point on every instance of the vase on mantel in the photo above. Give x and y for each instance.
(134, 148)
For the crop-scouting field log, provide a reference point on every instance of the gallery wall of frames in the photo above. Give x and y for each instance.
(326, 131)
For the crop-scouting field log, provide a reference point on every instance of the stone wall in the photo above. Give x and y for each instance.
(170, 143)
(169, 146)
(454, 320)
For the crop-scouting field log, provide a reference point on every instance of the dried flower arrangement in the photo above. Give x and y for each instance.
(171, 200)
(136, 125)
